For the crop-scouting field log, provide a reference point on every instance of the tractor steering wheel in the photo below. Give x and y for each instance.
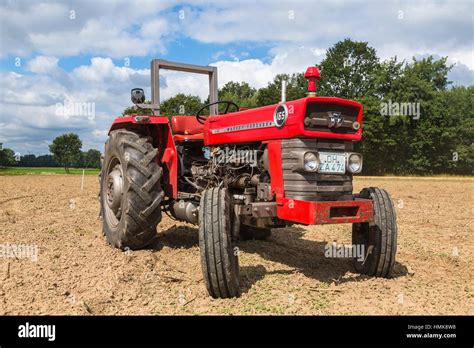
(201, 119)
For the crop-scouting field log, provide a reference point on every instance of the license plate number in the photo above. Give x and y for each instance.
(332, 163)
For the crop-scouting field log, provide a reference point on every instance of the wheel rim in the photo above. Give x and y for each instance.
(113, 192)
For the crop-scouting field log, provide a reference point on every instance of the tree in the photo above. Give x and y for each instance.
(296, 88)
(240, 93)
(66, 149)
(348, 69)
(409, 145)
(91, 158)
(40, 161)
(180, 104)
(134, 110)
(7, 157)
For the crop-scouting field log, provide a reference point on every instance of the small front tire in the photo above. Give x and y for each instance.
(219, 257)
(378, 238)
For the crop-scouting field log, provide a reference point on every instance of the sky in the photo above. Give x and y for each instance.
(68, 66)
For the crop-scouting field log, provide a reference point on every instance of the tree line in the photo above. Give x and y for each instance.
(66, 152)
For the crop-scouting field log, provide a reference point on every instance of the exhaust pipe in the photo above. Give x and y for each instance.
(283, 91)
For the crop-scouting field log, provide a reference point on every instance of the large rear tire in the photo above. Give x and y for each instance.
(378, 238)
(219, 260)
(130, 190)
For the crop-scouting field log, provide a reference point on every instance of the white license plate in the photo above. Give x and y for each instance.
(332, 163)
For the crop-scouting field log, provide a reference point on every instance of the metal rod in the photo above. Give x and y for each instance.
(283, 91)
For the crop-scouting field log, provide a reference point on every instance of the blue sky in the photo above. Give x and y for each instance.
(54, 53)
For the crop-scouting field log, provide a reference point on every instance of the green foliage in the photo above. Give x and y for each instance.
(296, 88)
(348, 70)
(134, 110)
(66, 149)
(181, 104)
(7, 157)
(40, 161)
(240, 93)
(87, 159)
(91, 159)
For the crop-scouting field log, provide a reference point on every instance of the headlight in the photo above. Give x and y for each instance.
(311, 162)
(354, 163)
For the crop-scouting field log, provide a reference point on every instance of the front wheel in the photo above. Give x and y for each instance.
(219, 257)
(378, 238)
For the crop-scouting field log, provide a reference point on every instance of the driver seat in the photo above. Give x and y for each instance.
(187, 128)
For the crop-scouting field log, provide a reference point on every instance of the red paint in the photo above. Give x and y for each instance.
(293, 128)
(312, 213)
(159, 128)
(171, 185)
(276, 171)
(312, 74)
(121, 122)
(318, 213)
(186, 125)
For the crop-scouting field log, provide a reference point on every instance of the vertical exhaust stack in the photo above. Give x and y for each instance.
(283, 91)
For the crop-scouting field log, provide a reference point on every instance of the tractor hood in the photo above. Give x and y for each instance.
(317, 117)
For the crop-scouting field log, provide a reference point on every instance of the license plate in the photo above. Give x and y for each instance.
(332, 163)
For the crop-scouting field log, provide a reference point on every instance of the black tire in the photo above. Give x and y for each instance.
(379, 238)
(254, 233)
(219, 260)
(130, 214)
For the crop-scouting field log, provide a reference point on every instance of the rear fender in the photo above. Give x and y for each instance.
(159, 129)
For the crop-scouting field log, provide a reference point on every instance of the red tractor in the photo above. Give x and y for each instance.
(239, 174)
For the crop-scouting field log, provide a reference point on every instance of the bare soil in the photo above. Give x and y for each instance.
(78, 273)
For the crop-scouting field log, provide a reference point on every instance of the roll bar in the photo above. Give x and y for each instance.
(157, 64)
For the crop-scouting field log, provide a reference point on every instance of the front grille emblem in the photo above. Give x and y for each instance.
(335, 119)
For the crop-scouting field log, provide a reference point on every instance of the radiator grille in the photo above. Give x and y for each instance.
(317, 117)
(314, 186)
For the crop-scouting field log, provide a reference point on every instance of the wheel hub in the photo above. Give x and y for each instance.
(114, 190)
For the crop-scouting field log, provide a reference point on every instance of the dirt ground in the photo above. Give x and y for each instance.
(76, 272)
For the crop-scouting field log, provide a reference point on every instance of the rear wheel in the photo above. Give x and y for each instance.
(219, 260)
(130, 190)
(379, 238)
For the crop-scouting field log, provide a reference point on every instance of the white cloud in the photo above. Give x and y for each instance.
(141, 27)
(42, 64)
(78, 27)
(397, 28)
(257, 73)
(100, 133)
